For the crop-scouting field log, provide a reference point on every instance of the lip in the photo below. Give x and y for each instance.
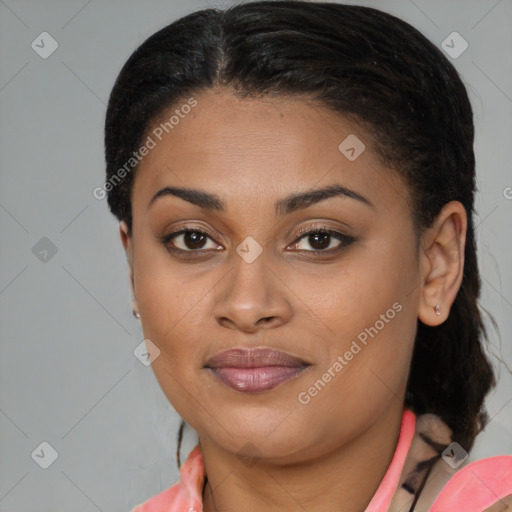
(253, 370)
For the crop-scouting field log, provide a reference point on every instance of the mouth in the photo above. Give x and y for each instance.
(254, 370)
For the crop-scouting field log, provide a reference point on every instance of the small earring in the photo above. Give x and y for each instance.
(134, 310)
(437, 309)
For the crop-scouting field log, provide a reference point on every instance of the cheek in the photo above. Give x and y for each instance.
(380, 272)
(374, 316)
(366, 372)
(169, 305)
(165, 300)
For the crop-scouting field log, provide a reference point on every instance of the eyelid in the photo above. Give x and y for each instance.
(166, 239)
(343, 238)
(323, 228)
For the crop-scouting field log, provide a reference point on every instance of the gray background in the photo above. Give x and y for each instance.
(68, 375)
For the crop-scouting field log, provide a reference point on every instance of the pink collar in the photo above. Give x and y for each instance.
(382, 498)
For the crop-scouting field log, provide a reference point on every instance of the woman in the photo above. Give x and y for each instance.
(294, 183)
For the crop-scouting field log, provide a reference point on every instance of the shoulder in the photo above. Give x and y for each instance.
(482, 485)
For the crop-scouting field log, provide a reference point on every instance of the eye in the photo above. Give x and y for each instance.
(189, 240)
(321, 240)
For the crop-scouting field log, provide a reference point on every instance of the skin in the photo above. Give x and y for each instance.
(251, 153)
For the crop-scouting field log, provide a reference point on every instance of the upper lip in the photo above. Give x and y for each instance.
(256, 357)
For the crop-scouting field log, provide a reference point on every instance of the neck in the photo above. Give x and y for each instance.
(348, 476)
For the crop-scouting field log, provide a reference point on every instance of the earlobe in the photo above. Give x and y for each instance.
(126, 240)
(128, 247)
(124, 233)
(442, 263)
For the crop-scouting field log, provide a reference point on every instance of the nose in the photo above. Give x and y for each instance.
(252, 298)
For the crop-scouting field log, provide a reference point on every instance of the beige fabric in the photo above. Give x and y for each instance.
(432, 435)
(504, 505)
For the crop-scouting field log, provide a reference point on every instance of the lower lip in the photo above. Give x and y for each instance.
(254, 380)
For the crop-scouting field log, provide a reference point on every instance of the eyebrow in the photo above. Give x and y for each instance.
(285, 206)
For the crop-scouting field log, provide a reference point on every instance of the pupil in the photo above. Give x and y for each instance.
(324, 240)
(194, 240)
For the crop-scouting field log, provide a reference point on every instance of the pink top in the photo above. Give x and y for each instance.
(473, 488)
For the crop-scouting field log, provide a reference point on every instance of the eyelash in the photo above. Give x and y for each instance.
(302, 233)
(345, 240)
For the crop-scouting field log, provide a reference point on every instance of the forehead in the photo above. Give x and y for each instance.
(255, 146)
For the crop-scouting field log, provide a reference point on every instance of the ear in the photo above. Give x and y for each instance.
(127, 241)
(442, 263)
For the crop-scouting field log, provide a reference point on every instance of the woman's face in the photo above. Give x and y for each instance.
(343, 310)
